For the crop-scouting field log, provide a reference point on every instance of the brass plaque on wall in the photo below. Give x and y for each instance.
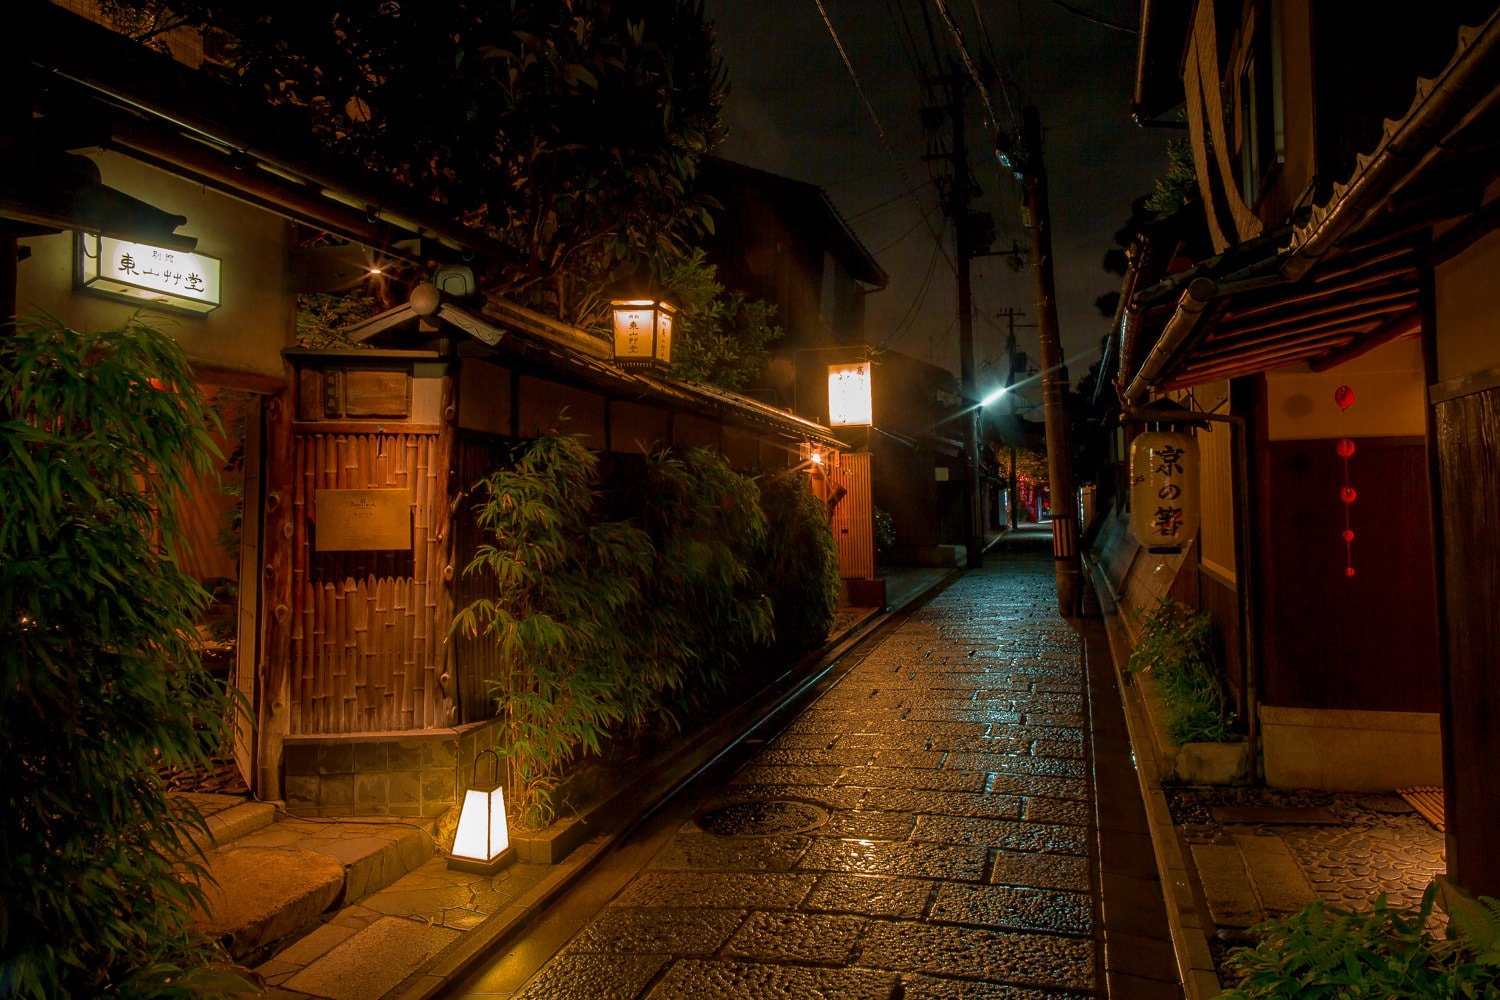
(361, 520)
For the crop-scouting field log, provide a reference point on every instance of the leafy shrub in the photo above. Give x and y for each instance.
(100, 680)
(703, 610)
(564, 581)
(885, 533)
(1323, 951)
(1176, 649)
(799, 563)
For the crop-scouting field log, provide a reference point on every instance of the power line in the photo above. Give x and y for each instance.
(1095, 18)
(874, 117)
(963, 52)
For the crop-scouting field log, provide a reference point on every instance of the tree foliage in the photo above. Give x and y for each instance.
(568, 130)
(718, 338)
(100, 679)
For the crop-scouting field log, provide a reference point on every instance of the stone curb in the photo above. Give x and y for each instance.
(1185, 919)
(460, 957)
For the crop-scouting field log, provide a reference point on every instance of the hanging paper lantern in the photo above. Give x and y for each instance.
(1344, 396)
(1164, 508)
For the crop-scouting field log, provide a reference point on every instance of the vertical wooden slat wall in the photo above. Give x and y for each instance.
(367, 644)
(477, 660)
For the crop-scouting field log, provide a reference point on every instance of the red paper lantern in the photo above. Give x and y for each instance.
(1344, 396)
(1345, 448)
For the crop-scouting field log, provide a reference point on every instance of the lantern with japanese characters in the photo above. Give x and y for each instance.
(1164, 507)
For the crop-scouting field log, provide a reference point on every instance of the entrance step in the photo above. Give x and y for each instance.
(229, 817)
(274, 884)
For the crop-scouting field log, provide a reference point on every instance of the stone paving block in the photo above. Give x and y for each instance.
(800, 938)
(943, 861)
(871, 895)
(704, 852)
(373, 961)
(1278, 879)
(916, 800)
(931, 779)
(981, 744)
(1232, 901)
(756, 774)
(867, 825)
(1047, 871)
(819, 757)
(994, 956)
(1005, 834)
(920, 987)
(725, 890)
(893, 757)
(1014, 908)
(829, 797)
(260, 895)
(657, 931)
(692, 980)
(1051, 767)
(1275, 815)
(1039, 784)
(1071, 811)
(594, 977)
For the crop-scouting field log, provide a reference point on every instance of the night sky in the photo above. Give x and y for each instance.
(794, 110)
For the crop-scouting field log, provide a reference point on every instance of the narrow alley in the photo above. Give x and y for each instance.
(928, 828)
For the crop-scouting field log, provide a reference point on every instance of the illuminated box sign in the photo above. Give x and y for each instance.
(140, 272)
(849, 394)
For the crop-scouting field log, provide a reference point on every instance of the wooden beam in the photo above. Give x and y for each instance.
(1355, 309)
(1406, 325)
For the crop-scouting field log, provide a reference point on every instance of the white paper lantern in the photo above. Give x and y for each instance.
(1164, 502)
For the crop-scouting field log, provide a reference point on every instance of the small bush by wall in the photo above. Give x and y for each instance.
(1322, 951)
(1176, 649)
(799, 563)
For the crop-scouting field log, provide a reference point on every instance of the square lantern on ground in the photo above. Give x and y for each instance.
(482, 841)
(643, 333)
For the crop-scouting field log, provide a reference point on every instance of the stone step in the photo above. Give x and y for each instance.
(272, 885)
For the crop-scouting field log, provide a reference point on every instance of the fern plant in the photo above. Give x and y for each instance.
(1176, 648)
(101, 687)
(1322, 951)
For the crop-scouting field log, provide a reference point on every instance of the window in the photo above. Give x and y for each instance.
(1260, 125)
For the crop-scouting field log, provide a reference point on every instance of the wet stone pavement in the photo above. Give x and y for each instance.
(925, 830)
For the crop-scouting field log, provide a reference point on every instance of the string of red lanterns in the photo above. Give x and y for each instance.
(1344, 397)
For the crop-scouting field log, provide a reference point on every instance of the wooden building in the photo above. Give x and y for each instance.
(345, 470)
(1331, 297)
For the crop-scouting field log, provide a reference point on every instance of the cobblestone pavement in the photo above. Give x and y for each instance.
(1349, 847)
(924, 830)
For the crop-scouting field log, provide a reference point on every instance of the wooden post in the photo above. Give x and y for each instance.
(1054, 377)
(274, 710)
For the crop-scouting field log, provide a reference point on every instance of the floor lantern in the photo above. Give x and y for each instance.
(482, 841)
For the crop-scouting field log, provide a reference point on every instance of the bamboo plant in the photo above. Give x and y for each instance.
(101, 687)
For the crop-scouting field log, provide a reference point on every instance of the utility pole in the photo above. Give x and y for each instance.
(958, 211)
(1054, 375)
(1012, 357)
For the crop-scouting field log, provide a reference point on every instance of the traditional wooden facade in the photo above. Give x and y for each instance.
(360, 702)
(1333, 297)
